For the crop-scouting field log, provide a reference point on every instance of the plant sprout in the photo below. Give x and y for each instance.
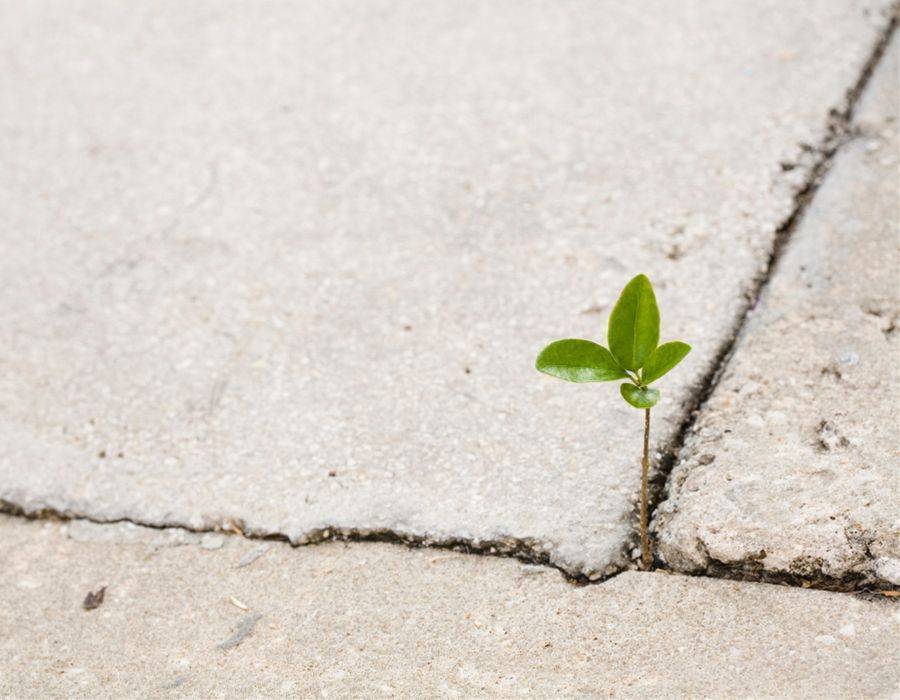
(633, 354)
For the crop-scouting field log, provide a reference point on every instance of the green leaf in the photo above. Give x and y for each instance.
(639, 398)
(579, 361)
(634, 324)
(664, 358)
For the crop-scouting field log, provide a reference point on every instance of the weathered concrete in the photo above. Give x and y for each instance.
(292, 267)
(793, 465)
(378, 620)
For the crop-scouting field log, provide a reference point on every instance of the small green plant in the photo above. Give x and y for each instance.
(633, 354)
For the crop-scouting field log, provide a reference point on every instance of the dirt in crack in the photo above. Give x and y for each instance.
(839, 131)
(532, 551)
(527, 550)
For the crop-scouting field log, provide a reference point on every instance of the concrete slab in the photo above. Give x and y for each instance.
(372, 620)
(793, 467)
(290, 268)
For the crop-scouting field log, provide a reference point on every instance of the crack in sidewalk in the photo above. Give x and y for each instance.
(531, 550)
(527, 550)
(329, 535)
(839, 131)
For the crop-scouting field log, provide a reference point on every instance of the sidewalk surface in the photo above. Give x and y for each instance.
(284, 271)
(812, 379)
(374, 620)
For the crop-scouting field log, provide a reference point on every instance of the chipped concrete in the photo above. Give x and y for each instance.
(289, 270)
(792, 466)
(378, 620)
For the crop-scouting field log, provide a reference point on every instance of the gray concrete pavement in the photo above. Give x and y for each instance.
(793, 465)
(290, 268)
(374, 620)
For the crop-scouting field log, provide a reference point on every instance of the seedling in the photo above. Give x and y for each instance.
(634, 354)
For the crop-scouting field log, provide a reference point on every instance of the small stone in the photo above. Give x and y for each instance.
(850, 359)
(94, 599)
(253, 555)
(212, 541)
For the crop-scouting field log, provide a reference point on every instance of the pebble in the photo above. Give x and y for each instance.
(211, 541)
(253, 555)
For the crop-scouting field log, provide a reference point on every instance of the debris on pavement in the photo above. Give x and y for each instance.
(94, 599)
(253, 555)
(211, 541)
(244, 628)
(252, 441)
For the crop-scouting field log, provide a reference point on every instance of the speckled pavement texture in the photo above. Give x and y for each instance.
(283, 269)
(288, 269)
(792, 468)
(375, 620)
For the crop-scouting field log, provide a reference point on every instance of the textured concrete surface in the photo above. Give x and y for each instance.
(290, 268)
(793, 465)
(374, 620)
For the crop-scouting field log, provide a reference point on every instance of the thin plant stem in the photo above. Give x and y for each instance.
(646, 554)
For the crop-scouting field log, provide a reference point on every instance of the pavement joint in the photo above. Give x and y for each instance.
(502, 550)
(274, 285)
(526, 550)
(839, 133)
(531, 550)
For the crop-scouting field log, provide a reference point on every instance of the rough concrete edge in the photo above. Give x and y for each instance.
(232, 529)
(532, 550)
(839, 131)
(528, 550)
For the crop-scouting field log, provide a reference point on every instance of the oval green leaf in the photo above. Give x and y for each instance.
(664, 358)
(579, 361)
(639, 398)
(634, 324)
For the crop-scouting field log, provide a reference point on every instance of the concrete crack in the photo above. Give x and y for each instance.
(527, 550)
(531, 550)
(839, 132)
